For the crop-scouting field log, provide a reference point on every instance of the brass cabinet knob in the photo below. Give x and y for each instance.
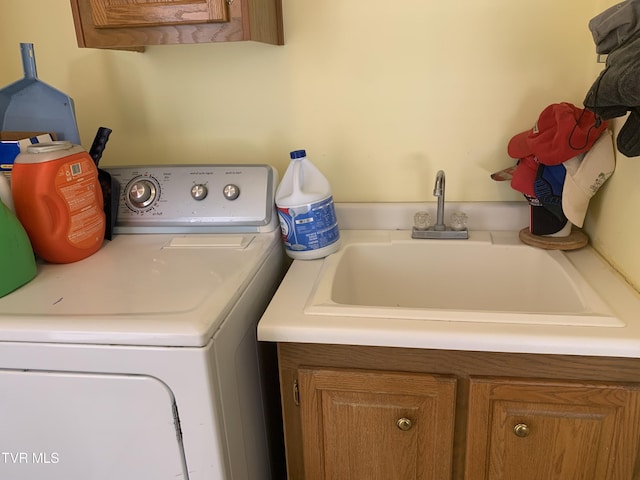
(521, 430)
(404, 424)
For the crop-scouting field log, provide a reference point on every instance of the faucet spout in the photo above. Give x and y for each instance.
(439, 230)
(438, 191)
(438, 188)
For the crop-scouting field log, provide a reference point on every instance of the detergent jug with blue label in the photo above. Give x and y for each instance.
(306, 210)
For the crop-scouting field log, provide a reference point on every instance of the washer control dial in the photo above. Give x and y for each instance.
(141, 193)
(231, 191)
(199, 191)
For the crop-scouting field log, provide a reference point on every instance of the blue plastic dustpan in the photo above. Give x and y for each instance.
(30, 105)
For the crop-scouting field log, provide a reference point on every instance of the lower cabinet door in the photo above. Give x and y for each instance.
(544, 430)
(373, 425)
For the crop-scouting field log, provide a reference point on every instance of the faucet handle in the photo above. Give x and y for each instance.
(458, 221)
(422, 220)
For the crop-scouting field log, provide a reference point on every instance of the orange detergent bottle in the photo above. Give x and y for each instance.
(58, 200)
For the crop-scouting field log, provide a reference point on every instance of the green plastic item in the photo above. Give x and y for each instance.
(17, 261)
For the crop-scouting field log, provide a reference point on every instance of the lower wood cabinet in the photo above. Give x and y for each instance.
(376, 425)
(354, 413)
(533, 430)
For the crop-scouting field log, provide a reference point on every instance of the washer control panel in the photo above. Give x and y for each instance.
(195, 198)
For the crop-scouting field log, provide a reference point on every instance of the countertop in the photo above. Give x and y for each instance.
(285, 319)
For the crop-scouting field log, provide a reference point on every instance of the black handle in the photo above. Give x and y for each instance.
(99, 144)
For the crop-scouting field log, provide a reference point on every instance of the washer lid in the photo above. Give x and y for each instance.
(138, 290)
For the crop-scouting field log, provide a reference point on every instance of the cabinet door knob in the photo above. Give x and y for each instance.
(404, 424)
(521, 430)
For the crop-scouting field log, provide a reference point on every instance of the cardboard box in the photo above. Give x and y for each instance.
(12, 143)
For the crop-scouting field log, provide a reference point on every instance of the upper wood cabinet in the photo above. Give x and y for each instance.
(133, 24)
(136, 13)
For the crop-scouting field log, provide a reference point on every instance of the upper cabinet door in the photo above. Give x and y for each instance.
(131, 13)
(134, 24)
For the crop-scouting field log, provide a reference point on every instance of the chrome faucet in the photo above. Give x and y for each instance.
(440, 229)
(438, 191)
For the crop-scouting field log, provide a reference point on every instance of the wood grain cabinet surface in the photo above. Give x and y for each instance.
(355, 412)
(133, 24)
(376, 425)
(532, 430)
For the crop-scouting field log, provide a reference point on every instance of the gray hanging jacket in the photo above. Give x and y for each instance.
(616, 91)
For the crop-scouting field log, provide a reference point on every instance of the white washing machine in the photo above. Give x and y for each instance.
(141, 361)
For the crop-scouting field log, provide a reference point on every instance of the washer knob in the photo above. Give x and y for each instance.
(142, 193)
(199, 191)
(231, 192)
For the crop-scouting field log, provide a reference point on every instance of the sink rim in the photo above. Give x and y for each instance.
(320, 300)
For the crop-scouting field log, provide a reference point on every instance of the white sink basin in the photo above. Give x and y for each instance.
(492, 277)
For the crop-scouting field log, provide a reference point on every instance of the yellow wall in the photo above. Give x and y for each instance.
(381, 95)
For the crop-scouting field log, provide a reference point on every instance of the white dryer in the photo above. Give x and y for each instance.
(141, 361)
